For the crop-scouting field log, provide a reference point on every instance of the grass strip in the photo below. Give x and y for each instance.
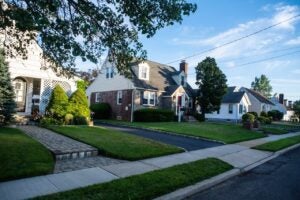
(223, 132)
(115, 143)
(275, 131)
(21, 156)
(149, 185)
(279, 144)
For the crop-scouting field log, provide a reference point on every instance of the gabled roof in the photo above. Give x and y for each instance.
(160, 78)
(233, 97)
(259, 96)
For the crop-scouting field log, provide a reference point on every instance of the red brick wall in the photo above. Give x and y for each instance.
(123, 111)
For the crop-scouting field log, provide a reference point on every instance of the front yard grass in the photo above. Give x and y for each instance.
(117, 144)
(227, 133)
(274, 130)
(21, 156)
(279, 144)
(149, 185)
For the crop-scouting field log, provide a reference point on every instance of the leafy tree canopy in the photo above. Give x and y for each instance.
(262, 85)
(67, 29)
(212, 85)
(296, 108)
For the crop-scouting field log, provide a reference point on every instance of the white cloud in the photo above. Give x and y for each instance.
(294, 42)
(252, 46)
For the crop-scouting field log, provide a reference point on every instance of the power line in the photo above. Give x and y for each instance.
(233, 41)
(261, 60)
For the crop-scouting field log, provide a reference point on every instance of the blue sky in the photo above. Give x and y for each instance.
(219, 21)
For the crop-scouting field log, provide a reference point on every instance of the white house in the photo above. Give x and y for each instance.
(33, 80)
(234, 104)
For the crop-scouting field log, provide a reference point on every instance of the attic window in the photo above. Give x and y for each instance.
(144, 72)
(109, 72)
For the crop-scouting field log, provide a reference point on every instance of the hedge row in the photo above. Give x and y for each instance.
(153, 115)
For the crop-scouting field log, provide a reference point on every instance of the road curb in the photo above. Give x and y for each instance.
(198, 187)
(203, 185)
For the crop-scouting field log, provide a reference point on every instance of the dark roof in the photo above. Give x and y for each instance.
(232, 97)
(259, 96)
(160, 78)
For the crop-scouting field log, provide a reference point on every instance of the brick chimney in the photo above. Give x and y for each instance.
(281, 97)
(183, 66)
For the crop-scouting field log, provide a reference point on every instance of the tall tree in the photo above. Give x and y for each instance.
(7, 103)
(86, 28)
(212, 85)
(296, 108)
(262, 85)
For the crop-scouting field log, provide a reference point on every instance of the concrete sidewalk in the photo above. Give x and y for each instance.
(239, 155)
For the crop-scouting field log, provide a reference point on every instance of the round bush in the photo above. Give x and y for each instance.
(101, 110)
(153, 115)
(263, 114)
(247, 117)
(69, 119)
(255, 114)
(276, 115)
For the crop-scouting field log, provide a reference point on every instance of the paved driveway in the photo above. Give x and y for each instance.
(188, 144)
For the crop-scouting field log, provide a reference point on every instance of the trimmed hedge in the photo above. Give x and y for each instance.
(276, 115)
(101, 110)
(247, 117)
(255, 114)
(153, 115)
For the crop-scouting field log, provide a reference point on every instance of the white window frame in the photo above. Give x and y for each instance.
(97, 97)
(109, 72)
(144, 72)
(148, 95)
(119, 97)
(241, 108)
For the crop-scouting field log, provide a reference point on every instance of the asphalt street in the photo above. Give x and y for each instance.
(278, 179)
(187, 143)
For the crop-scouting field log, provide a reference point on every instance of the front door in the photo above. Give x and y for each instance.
(20, 94)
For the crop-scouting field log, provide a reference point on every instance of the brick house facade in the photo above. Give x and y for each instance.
(153, 85)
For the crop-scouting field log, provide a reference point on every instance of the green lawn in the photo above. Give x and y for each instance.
(223, 132)
(274, 130)
(151, 184)
(117, 144)
(21, 156)
(279, 144)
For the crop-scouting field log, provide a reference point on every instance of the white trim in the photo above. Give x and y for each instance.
(97, 97)
(119, 96)
(149, 98)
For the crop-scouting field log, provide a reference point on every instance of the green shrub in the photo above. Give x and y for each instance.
(50, 121)
(57, 107)
(255, 114)
(247, 117)
(262, 119)
(269, 120)
(69, 119)
(199, 117)
(81, 120)
(78, 104)
(263, 114)
(276, 115)
(153, 115)
(101, 110)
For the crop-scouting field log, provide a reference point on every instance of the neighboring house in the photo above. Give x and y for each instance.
(33, 81)
(153, 85)
(281, 105)
(234, 104)
(259, 103)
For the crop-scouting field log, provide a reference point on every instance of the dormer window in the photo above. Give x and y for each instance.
(109, 72)
(144, 72)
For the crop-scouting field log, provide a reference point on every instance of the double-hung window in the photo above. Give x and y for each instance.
(119, 97)
(241, 109)
(97, 97)
(109, 72)
(149, 98)
(230, 108)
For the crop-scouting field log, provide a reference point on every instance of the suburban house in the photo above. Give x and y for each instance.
(284, 106)
(33, 80)
(259, 103)
(234, 104)
(152, 85)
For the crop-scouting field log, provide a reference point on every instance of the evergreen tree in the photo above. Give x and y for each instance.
(58, 104)
(7, 103)
(212, 86)
(78, 104)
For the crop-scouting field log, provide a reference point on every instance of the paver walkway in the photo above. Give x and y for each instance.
(238, 155)
(63, 147)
